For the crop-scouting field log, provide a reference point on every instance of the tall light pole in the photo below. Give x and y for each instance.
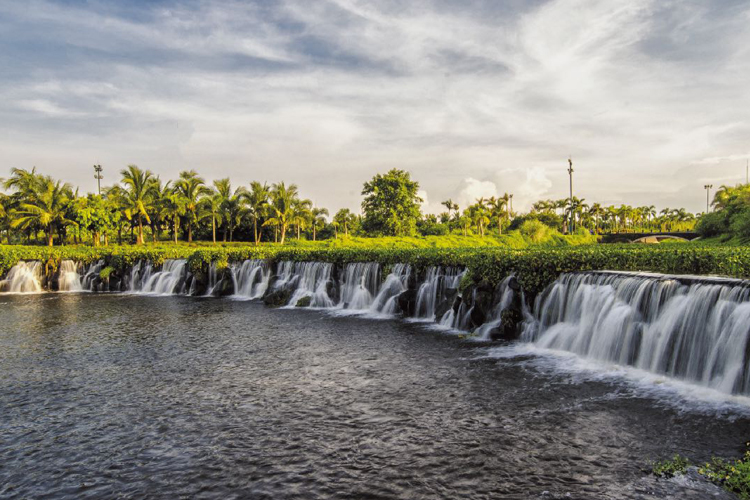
(98, 176)
(707, 187)
(570, 173)
(511, 205)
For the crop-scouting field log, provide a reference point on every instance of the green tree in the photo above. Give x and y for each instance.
(47, 209)
(139, 191)
(192, 189)
(391, 204)
(344, 218)
(282, 207)
(318, 219)
(257, 205)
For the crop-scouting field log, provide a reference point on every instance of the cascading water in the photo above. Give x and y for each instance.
(496, 317)
(311, 280)
(24, 277)
(170, 280)
(359, 285)
(69, 280)
(139, 275)
(438, 284)
(250, 279)
(395, 283)
(91, 278)
(691, 329)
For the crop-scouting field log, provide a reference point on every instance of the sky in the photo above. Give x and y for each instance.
(473, 98)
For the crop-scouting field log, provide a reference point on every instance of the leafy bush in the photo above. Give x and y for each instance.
(713, 224)
(534, 230)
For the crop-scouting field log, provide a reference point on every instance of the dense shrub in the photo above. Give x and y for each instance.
(713, 224)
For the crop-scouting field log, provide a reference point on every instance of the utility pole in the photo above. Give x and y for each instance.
(707, 187)
(747, 171)
(98, 176)
(570, 173)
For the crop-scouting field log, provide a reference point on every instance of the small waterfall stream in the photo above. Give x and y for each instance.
(693, 330)
(395, 283)
(311, 280)
(250, 278)
(359, 285)
(170, 280)
(69, 280)
(439, 283)
(24, 277)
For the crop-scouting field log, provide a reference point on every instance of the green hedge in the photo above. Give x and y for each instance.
(535, 267)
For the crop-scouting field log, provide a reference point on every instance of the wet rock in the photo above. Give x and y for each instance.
(224, 288)
(277, 298)
(304, 302)
(407, 302)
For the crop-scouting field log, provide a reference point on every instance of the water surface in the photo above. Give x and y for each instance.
(112, 395)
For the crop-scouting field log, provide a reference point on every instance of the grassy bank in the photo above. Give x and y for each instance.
(535, 267)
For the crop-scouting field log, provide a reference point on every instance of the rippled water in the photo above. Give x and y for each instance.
(111, 395)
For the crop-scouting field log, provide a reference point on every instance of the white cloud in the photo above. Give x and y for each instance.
(471, 189)
(472, 100)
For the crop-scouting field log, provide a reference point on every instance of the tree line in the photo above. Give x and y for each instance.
(38, 208)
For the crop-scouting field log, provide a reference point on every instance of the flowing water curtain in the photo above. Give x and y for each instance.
(440, 283)
(251, 278)
(24, 277)
(395, 284)
(170, 280)
(696, 332)
(359, 286)
(68, 278)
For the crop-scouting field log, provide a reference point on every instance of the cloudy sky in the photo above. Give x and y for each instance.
(474, 98)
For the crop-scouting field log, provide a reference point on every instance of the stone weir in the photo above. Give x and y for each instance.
(692, 328)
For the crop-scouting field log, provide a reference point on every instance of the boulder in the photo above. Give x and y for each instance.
(277, 298)
(304, 302)
(407, 302)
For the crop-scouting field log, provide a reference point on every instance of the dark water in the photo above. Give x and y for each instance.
(127, 396)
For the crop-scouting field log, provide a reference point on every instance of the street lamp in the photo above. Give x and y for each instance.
(511, 205)
(570, 173)
(98, 176)
(707, 187)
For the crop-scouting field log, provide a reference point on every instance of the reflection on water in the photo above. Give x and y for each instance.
(108, 395)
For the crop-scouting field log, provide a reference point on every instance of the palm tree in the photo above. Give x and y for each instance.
(192, 188)
(139, 191)
(302, 213)
(344, 218)
(232, 205)
(282, 207)
(257, 203)
(318, 219)
(47, 209)
(497, 209)
(172, 208)
(213, 202)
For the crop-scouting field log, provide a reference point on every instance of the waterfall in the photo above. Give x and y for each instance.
(395, 284)
(439, 284)
(68, 279)
(90, 280)
(211, 279)
(359, 285)
(496, 317)
(696, 330)
(250, 278)
(311, 280)
(24, 277)
(139, 275)
(170, 280)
